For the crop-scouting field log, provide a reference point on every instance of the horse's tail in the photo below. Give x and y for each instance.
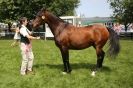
(114, 45)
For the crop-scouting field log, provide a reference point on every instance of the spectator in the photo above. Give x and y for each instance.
(117, 28)
(16, 36)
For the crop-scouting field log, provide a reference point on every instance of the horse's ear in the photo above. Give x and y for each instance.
(43, 17)
(43, 9)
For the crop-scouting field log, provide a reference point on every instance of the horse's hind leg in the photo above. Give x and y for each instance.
(100, 58)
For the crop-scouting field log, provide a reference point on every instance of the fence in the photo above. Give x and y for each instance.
(10, 35)
(44, 35)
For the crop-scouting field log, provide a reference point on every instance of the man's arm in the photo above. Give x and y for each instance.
(31, 37)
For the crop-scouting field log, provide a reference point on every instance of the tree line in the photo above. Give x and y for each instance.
(122, 11)
(13, 9)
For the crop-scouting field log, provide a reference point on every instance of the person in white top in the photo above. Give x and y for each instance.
(16, 37)
(26, 47)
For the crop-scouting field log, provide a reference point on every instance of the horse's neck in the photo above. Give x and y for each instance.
(55, 25)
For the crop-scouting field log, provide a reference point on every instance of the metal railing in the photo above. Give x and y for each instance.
(10, 35)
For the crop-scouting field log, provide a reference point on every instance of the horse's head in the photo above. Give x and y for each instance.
(40, 18)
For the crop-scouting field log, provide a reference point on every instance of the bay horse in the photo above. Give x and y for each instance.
(67, 37)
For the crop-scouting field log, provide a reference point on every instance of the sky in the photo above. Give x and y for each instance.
(94, 8)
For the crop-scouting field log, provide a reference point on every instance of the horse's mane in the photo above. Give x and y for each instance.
(57, 18)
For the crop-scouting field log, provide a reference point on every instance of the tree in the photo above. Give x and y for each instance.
(14, 9)
(122, 11)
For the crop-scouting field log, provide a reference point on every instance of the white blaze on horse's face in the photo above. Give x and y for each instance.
(43, 17)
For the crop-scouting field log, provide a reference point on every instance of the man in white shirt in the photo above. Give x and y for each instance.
(26, 47)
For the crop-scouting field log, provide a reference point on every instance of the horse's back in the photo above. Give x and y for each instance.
(98, 30)
(94, 34)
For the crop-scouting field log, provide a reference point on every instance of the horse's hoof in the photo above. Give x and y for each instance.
(64, 73)
(93, 73)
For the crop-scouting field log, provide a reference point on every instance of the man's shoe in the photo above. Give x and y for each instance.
(30, 72)
(23, 73)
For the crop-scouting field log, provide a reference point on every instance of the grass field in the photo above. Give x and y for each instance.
(116, 73)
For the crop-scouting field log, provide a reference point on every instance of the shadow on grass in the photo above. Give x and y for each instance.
(73, 65)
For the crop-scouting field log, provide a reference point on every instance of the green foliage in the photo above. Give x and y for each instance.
(14, 9)
(48, 66)
(64, 7)
(123, 11)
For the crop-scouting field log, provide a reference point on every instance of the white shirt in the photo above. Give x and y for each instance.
(24, 31)
(17, 36)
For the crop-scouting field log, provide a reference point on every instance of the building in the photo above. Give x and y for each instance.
(107, 21)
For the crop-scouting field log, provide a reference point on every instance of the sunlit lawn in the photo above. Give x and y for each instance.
(48, 66)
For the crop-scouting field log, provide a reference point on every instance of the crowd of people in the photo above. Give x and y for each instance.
(118, 28)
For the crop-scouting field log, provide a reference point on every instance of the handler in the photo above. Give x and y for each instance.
(26, 48)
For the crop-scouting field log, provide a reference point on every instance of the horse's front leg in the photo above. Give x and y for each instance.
(65, 58)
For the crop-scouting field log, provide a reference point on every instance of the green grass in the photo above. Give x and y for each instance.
(116, 73)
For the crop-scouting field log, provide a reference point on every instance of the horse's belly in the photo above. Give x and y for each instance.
(78, 46)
